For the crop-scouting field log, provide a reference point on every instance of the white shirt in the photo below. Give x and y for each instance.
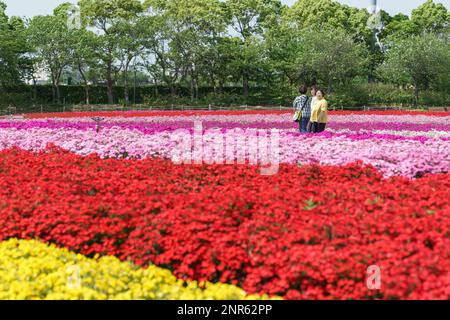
(313, 102)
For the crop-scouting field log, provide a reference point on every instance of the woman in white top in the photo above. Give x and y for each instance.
(312, 101)
(313, 95)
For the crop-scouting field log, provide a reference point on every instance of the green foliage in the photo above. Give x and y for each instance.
(331, 57)
(194, 51)
(104, 14)
(115, 19)
(330, 15)
(418, 61)
(184, 38)
(50, 38)
(350, 96)
(431, 18)
(12, 48)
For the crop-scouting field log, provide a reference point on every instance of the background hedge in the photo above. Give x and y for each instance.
(28, 98)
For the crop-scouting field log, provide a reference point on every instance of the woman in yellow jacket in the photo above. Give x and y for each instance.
(319, 113)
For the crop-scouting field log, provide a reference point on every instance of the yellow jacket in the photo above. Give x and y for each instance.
(319, 112)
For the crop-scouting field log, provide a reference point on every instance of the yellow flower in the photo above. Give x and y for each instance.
(33, 270)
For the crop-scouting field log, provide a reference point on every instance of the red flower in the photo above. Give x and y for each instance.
(308, 232)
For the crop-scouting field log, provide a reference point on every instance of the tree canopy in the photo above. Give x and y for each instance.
(420, 61)
(219, 43)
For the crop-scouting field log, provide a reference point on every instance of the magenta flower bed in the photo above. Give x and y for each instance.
(396, 147)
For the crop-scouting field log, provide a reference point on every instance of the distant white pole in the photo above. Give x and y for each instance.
(373, 6)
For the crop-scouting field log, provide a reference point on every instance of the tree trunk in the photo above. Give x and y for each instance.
(416, 96)
(168, 80)
(110, 91)
(127, 91)
(171, 87)
(155, 80)
(213, 82)
(245, 85)
(86, 85)
(109, 83)
(57, 82)
(53, 88)
(126, 81)
(192, 89)
(194, 86)
(86, 90)
(221, 85)
(53, 93)
(58, 94)
(34, 89)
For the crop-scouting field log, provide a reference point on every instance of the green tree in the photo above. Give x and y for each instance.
(156, 52)
(12, 48)
(418, 61)
(245, 60)
(331, 57)
(283, 46)
(431, 17)
(331, 15)
(107, 16)
(182, 34)
(250, 19)
(84, 56)
(399, 25)
(50, 38)
(130, 45)
(326, 16)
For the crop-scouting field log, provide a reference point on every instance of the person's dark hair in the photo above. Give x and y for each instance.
(303, 89)
(321, 90)
(314, 87)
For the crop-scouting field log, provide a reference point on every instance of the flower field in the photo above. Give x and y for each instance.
(114, 206)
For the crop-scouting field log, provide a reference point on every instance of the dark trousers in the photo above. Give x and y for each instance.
(318, 127)
(304, 125)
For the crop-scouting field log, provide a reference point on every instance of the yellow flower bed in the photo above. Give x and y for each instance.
(33, 270)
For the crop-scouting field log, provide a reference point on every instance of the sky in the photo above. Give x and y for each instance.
(31, 8)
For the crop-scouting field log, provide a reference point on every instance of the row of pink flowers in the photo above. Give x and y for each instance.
(408, 157)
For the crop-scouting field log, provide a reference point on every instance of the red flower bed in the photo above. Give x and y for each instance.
(307, 232)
